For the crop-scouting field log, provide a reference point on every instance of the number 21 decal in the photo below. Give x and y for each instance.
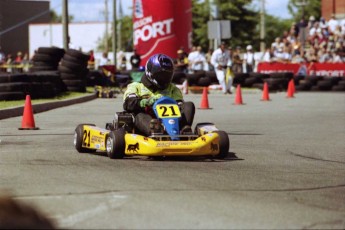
(168, 111)
(86, 138)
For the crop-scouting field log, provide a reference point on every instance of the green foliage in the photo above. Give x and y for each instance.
(54, 17)
(126, 26)
(312, 8)
(243, 21)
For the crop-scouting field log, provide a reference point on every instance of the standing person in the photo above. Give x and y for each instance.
(198, 60)
(181, 62)
(237, 62)
(219, 60)
(155, 83)
(135, 60)
(208, 59)
(249, 60)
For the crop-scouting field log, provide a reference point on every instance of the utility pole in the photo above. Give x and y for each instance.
(114, 32)
(262, 26)
(119, 29)
(65, 24)
(106, 44)
(302, 3)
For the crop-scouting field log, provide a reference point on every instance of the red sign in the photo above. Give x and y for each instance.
(318, 69)
(161, 27)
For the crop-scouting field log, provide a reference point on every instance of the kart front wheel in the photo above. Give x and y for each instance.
(224, 144)
(115, 144)
(78, 139)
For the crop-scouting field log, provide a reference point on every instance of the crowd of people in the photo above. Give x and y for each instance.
(310, 41)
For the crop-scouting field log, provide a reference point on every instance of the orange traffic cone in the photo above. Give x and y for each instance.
(28, 121)
(265, 93)
(204, 99)
(185, 87)
(238, 97)
(291, 89)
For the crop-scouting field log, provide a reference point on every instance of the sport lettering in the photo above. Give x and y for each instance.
(160, 28)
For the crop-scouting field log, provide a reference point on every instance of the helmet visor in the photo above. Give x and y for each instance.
(163, 79)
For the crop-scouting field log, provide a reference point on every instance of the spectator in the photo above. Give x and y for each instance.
(104, 60)
(323, 23)
(332, 24)
(237, 62)
(208, 59)
(19, 58)
(135, 60)
(197, 61)
(279, 55)
(190, 57)
(219, 60)
(91, 56)
(248, 59)
(266, 57)
(181, 63)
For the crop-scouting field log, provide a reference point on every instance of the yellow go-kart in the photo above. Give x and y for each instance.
(119, 139)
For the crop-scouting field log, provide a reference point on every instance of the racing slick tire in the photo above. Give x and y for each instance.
(224, 144)
(78, 139)
(116, 144)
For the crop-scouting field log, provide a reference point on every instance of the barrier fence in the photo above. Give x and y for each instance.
(315, 69)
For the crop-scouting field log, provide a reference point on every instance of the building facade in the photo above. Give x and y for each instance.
(15, 17)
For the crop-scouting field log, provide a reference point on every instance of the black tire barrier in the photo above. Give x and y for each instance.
(9, 96)
(44, 84)
(15, 86)
(179, 78)
(7, 78)
(248, 82)
(74, 59)
(53, 51)
(78, 54)
(73, 70)
(338, 88)
(239, 78)
(46, 58)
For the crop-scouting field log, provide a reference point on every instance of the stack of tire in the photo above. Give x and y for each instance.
(46, 59)
(45, 81)
(320, 83)
(14, 86)
(45, 84)
(73, 70)
(279, 81)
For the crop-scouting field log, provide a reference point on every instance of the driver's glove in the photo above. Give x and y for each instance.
(149, 101)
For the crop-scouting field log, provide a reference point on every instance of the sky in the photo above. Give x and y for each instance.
(93, 10)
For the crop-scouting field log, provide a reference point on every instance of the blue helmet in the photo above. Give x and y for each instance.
(159, 70)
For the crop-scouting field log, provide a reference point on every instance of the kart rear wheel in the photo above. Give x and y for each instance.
(224, 144)
(115, 144)
(78, 139)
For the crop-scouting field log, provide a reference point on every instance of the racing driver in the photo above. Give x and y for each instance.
(155, 83)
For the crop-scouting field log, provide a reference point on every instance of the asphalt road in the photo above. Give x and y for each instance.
(285, 170)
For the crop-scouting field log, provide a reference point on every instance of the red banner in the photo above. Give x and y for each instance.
(161, 27)
(318, 69)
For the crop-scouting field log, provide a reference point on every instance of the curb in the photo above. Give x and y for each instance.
(38, 108)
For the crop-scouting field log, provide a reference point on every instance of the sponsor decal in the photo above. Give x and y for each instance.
(149, 31)
(96, 139)
(214, 147)
(171, 121)
(133, 148)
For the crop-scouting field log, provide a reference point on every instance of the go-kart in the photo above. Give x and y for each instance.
(120, 138)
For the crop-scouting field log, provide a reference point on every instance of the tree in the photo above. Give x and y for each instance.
(243, 21)
(126, 36)
(308, 8)
(54, 17)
